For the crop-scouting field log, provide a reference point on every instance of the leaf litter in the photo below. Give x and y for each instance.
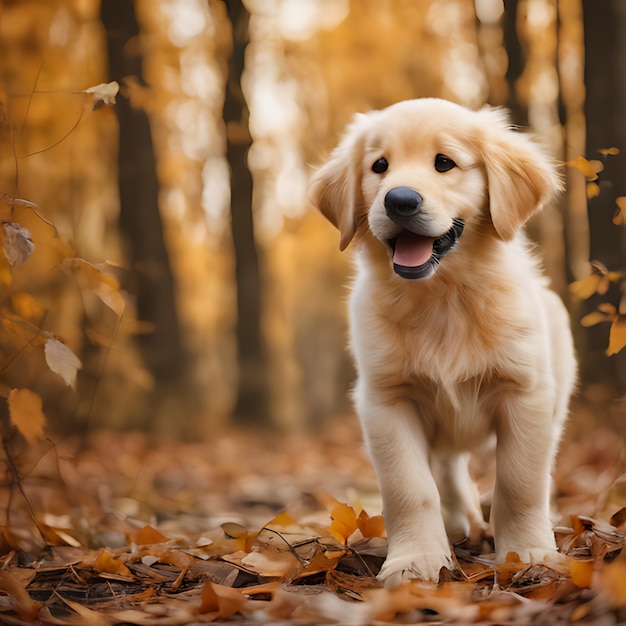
(238, 530)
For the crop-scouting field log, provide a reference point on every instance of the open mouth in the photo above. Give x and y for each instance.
(417, 256)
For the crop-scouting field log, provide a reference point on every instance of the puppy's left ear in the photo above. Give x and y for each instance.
(336, 186)
(521, 178)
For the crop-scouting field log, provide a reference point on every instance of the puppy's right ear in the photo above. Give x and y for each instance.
(336, 186)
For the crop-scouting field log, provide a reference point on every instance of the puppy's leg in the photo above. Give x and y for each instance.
(460, 500)
(418, 545)
(520, 514)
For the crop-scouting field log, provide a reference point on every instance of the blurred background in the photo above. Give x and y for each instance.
(188, 198)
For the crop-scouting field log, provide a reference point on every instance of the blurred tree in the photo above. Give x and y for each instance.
(140, 222)
(252, 393)
(605, 80)
(515, 68)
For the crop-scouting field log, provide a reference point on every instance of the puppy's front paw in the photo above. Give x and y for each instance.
(400, 569)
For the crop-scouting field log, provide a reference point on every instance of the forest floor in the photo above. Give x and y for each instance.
(252, 527)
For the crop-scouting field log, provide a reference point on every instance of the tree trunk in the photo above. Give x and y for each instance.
(605, 80)
(515, 68)
(252, 395)
(140, 221)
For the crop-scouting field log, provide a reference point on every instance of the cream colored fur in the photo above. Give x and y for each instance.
(480, 347)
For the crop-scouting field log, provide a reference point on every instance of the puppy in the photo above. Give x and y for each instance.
(454, 331)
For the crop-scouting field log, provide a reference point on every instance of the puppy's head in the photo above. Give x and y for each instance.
(421, 172)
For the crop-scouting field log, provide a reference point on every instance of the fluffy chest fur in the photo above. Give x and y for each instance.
(454, 347)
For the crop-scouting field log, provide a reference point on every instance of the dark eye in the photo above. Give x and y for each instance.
(380, 166)
(443, 163)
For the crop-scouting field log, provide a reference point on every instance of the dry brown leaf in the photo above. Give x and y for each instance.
(103, 94)
(25, 410)
(23, 604)
(62, 361)
(105, 286)
(17, 244)
(88, 617)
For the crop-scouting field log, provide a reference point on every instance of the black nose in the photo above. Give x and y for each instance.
(402, 202)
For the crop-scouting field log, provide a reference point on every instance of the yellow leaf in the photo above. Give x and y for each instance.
(617, 335)
(593, 190)
(103, 94)
(586, 287)
(620, 217)
(343, 522)
(607, 308)
(17, 244)
(581, 573)
(25, 409)
(613, 151)
(62, 361)
(589, 168)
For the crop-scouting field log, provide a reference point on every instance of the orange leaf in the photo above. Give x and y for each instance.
(371, 526)
(344, 522)
(589, 168)
(612, 151)
(581, 573)
(105, 563)
(593, 318)
(224, 601)
(593, 190)
(25, 409)
(617, 335)
(149, 535)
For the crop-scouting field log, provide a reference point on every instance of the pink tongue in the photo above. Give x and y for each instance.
(412, 250)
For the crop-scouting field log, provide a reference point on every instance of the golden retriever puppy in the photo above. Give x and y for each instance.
(454, 331)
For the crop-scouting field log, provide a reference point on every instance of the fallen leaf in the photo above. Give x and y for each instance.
(149, 535)
(17, 244)
(22, 603)
(103, 94)
(581, 573)
(62, 361)
(106, 563)
(221, 600)
(25, 410)
(371, 526)
(88, 617)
